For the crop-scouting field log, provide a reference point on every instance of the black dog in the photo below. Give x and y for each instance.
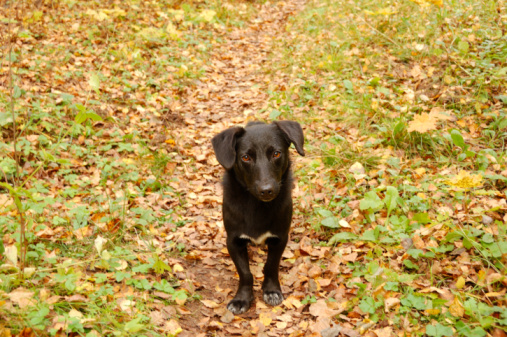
(257, 204)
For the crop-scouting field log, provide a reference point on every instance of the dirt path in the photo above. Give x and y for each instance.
(232, 91)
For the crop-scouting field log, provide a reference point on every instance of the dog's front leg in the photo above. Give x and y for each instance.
(238, 251)
(271, 285)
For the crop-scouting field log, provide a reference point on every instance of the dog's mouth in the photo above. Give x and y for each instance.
(266, 198)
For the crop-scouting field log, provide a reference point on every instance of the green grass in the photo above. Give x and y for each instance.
(88, 79)
(358, 73)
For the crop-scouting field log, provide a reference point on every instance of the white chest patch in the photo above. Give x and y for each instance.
(260, 240)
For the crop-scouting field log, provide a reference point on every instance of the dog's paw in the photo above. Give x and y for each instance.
(238, 306)
(273, 298)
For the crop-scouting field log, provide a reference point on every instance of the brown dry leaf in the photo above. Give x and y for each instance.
(305, 245)
(496, 293)
(210, 304)
(322, 323)
(390, 302)
(281, 325)
(495, 277)
(76, 298)
(292, 302)
(418, 242)
(384, 332)
(416, 71)
(423, 123)
(22, 297)
(438, 113)
(320, 309)
(157, 318)
(228, 317)
(172, 327)
(27, 332)
(350, 257)
(497, 332)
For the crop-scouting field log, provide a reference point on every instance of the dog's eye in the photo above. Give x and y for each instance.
(246, 158)
(277, 154)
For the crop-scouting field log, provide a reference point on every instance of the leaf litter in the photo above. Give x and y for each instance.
(155, 257)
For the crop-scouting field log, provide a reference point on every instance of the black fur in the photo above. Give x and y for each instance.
(257, 200)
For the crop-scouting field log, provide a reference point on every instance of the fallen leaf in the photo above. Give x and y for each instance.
(390, 302)
(172, 327)
(22, 297)
(11, 253)
(265, 318)
(358, 171)
(384, 332)
(422, 123)
(456, 308)
(320, 309)
(460, 283)
(292, 302)
(210, 304)
(465, 180)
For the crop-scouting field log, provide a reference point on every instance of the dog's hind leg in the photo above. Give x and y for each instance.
(238, 251)
(271, 285)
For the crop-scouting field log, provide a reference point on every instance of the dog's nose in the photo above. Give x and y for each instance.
(266, 190)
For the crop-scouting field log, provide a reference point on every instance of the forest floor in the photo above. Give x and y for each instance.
(110, 193)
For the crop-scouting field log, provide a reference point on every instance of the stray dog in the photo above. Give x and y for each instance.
(257, 204)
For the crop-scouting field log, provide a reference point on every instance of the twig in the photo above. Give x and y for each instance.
(379, 32)
(10, 36)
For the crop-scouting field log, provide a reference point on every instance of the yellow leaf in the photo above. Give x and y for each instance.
(150, 33)
(422, 123)
(456, 308)
(374, 104)
(265, 318)
(381, 11)
(174, 34)
(75, 313)
(432, 311)
(207, 15)
(178, 268)
(419, 172)
(99, 16)
(465, 180)
(177, 14)
(116, 12)
(460, 283)
(439, 3)
(425, 3)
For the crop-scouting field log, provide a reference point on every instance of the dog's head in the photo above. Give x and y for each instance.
(259, 154)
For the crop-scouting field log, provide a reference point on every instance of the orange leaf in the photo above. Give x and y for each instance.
(423, 123)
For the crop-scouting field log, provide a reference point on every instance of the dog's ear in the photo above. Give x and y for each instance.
(294, 134)
(224, 145)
